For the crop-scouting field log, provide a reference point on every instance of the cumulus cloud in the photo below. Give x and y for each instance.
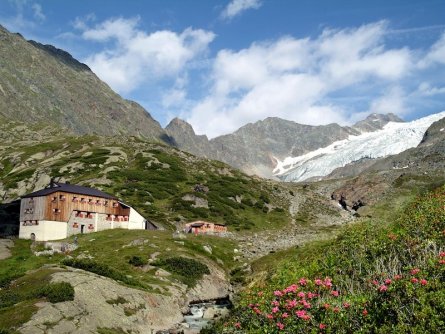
(392, 101)
(236, 7)
(436, 55)
(294, 79)
(136, 56)
(339, 76)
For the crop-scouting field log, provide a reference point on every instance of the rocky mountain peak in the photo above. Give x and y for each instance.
(61, 55)
(375, 122)
(179, 125)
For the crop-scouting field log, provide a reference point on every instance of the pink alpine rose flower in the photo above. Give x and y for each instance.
(301, 313)
(278, 293)
(423, 281)
(280, 326)
(383, 288)
(328, 282)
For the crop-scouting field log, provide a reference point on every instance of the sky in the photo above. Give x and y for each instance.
(222, 64)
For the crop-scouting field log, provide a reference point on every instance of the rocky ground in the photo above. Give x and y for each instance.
(323, 226)
(100, 302)
(5, 245)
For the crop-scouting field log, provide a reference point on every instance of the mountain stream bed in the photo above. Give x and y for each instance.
(203, 314)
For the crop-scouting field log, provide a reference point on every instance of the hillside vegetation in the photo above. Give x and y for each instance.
(151, 261)
(166, 185)
(374, 278)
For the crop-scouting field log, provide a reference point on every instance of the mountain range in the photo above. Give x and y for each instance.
(59, 120)
(40, 84)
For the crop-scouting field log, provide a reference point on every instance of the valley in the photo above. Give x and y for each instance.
(347, 229)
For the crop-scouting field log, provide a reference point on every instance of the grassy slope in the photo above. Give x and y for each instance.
(149, 176)
(23, 273)
(390, 279)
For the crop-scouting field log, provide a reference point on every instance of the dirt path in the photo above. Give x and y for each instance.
(5, 245)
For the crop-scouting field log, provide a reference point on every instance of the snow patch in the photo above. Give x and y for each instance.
(395, 137)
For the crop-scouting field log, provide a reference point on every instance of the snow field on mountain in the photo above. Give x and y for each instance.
(392, 139)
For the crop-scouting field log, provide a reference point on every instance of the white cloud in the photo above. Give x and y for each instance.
(391, 102)
(38, 12)
(436, 55)
(236, 7)
(426, 89)
(137, 56)
(293, 78)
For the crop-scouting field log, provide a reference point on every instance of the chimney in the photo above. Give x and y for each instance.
(52, 183)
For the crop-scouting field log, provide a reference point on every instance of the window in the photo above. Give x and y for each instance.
(56, 211)
(98, 202)
(62, 197)
(54, 199)
(90, 201)
(115, 204)
(80, 214)
(105, 203)
(75, 199)
(83, 200)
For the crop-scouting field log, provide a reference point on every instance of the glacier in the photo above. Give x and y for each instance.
(394, 138)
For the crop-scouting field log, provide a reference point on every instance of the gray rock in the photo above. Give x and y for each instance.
(207, 248)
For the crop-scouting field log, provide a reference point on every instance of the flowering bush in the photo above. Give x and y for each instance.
(373, 279)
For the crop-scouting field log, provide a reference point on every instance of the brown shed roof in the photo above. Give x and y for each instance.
(69, 188)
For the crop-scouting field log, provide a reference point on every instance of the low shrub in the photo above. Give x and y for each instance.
(189, 270)
(58, 292)
(137, 261)
(374, 278)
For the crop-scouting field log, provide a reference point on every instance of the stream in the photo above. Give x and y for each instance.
(204, 313)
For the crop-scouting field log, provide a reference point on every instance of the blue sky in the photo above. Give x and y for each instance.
(222, 64)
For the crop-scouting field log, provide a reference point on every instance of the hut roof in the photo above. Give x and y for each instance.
(69, 188)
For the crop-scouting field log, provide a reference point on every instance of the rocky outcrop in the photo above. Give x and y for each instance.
(375, 122)
(100, 302)
(213, 286)
(5, 246)
(361, 191)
